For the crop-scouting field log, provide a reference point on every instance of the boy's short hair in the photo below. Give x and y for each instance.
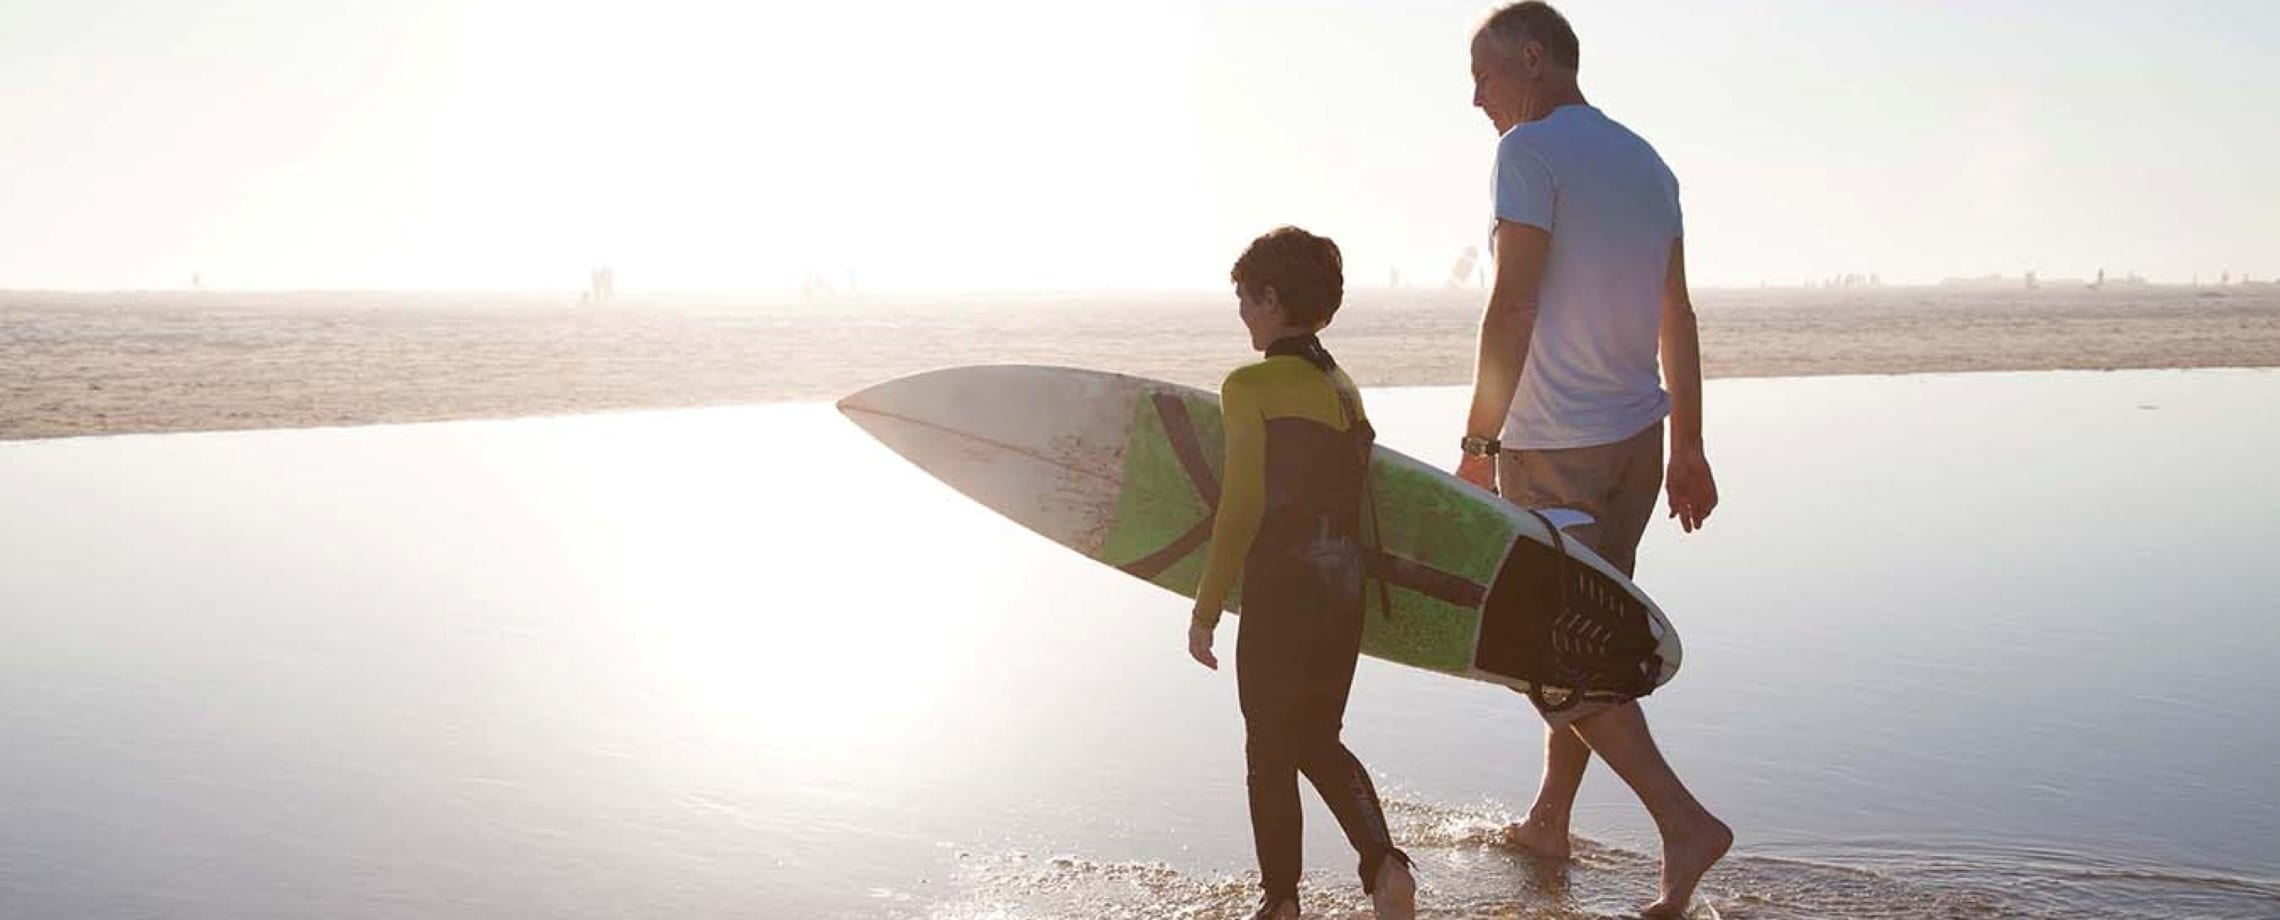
(1305, 271)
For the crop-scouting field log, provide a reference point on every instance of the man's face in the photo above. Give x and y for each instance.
(1500, 84)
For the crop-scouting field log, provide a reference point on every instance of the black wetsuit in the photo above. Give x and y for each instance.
(1302, 603)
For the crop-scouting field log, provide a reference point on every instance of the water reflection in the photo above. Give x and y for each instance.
(1992, 644)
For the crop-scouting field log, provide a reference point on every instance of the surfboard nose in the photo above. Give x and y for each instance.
(1041, 445)
(853, 403)
(920, 397)
(875, 398)
(1054, 412)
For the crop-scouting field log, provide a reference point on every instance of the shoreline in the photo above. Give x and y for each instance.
(255, 422)
(134, 367)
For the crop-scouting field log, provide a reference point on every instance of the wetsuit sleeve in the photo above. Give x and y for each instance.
(1242, 497)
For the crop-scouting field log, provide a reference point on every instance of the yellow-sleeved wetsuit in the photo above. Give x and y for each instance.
(1291, 522)
(1273, 400)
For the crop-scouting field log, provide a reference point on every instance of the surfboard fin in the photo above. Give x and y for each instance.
(1565, 518)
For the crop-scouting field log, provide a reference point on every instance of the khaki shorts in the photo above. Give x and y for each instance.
(1618, 484)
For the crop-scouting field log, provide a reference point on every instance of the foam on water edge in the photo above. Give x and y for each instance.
(1466, 873)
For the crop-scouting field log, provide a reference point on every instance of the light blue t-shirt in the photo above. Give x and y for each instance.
(1612, 209)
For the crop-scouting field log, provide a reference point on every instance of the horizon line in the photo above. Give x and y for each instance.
(573, 295)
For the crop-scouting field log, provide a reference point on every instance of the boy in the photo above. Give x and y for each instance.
(1291, 522)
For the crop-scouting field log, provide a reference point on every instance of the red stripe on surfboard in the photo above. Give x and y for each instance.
(1179, 430)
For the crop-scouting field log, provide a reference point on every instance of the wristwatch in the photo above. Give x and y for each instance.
(1477, 446)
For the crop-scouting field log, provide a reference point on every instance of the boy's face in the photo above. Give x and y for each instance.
(1261, 311)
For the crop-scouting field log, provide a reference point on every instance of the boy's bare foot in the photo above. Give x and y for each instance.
(1396, 894)
(1686, 856)
(1270, 909)
(1538, 838)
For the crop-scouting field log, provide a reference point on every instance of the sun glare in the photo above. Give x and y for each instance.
(741, 146)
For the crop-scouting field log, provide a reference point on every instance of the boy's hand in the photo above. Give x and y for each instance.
(1480, 471)
(1199, 646)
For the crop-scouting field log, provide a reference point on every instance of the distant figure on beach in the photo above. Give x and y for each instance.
(1567, 410)
(1293, 523)
(601, 286)
(1461, 274)
(815, 288)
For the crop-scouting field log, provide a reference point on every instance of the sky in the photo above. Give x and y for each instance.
(1018, 145)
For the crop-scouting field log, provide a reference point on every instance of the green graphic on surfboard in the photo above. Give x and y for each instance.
(1422, 630)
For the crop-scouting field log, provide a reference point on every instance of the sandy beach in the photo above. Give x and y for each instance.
(85, 364)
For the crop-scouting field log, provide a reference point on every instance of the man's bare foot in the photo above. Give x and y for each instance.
(1686, 855)
(1396, 894)
(1538, 838)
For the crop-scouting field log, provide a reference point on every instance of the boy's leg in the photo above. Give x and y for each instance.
(1268, 683)
(1345, 786)
(1338, 776)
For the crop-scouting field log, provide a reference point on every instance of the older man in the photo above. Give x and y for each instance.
(1567, 409)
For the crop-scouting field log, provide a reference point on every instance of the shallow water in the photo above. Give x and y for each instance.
(1968, 646)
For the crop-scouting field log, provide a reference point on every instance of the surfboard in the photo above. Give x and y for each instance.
(1125, 470)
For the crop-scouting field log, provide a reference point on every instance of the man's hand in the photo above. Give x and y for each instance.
(1480, 471)
(1199, 645)
(1693, 493)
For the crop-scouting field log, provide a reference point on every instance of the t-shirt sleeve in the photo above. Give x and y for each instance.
(1523, 186)
(1677, 213)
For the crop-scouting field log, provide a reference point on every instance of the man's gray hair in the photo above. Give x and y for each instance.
(1513, 27)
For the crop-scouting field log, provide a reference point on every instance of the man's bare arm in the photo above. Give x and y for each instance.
(1693, 492)
(1508, 325)
(1681, 353)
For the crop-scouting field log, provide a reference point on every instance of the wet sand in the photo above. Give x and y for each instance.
(81, 364)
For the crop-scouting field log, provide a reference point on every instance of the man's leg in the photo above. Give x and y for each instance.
(1544, 831)
(1693, 839)
(1617, 485)
(1553, 479)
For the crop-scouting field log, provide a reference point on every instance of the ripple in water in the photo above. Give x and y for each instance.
(1467, 873)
